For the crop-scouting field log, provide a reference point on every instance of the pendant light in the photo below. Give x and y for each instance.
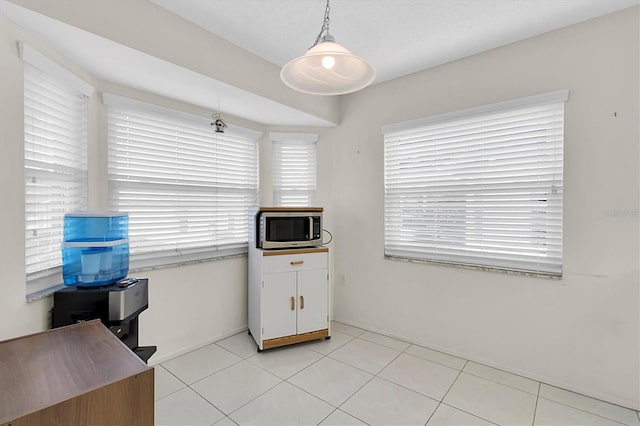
(327, 68)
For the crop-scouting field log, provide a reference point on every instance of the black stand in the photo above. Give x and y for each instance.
(77, 304)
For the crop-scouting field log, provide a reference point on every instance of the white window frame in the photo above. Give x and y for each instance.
(480, 187)
(55, 155)
(204, 183)
(294, 165)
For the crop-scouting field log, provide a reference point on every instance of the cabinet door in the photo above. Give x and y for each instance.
(312, 300)
(279, 304)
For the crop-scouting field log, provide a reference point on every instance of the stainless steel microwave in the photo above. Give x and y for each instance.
(288, 227)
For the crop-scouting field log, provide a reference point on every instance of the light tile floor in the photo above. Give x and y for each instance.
(357, 378)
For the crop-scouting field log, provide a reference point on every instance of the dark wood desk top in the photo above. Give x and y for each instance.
(43, 369)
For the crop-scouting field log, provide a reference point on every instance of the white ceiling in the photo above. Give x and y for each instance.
(397, 37)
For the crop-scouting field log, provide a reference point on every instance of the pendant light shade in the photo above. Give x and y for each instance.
(327, 68)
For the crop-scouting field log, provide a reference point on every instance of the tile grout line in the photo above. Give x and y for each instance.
(446, 393)
(584, 411)
(469, 413)
(352, 395)
(251, 400)
(535, 409)
(503, 384)
(177, 378)
(505, 372)
(404, 387)
(188, 386)
(360, 369)
(373, 376)
(218, 408)
(342, 411)
(215, 372)
(327, 416)
(454, 381)
(229, 414)
(322, 356)
(438, 363)
(616, 406)
(434, 411)
(456, 408)
(287, 381)
(208, 402)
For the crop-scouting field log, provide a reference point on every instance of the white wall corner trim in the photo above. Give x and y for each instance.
(30, 55)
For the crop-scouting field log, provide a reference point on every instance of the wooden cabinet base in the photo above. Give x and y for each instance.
(126, 402)
(296, 338)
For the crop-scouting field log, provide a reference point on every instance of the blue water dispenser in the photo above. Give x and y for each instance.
(95, 248)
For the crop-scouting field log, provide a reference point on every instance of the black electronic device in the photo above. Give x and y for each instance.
(116, 305)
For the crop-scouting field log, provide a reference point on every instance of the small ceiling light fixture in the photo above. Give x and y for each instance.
(327, 68)
(218, 123)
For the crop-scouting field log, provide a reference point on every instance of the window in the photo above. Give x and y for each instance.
(55, 161)
(480, 187)
(294, 169)
(187, 189)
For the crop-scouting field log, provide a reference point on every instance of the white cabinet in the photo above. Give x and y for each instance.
(288, 296)
(312, 300)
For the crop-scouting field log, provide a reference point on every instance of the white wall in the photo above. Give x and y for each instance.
(189, 306)
(193, 305)
(580, 332)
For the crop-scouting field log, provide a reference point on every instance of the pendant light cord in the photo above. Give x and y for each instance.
(325, 26)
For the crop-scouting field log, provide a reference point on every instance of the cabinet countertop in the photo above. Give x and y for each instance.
(280, 252)
(43, 369)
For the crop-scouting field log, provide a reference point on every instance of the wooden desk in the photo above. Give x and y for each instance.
(76, 375)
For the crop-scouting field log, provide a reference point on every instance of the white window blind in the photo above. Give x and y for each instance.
(479, 187)
(294, 169)
(186, 188)
(55, 155)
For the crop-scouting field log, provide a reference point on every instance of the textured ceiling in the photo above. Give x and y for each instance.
(397, 37)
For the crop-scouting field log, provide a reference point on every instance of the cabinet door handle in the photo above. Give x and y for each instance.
(293, 303)
(297, 262)
(301, 302)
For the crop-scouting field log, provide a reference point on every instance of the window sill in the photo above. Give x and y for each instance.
(477, 268)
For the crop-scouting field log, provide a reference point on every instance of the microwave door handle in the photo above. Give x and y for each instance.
(310, 227)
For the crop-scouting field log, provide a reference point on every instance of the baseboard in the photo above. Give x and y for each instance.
(633, 405)
(155, 360)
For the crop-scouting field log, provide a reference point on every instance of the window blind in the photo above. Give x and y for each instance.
(294, 169)
(186, 188)
(55, 155)
(480, 187)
